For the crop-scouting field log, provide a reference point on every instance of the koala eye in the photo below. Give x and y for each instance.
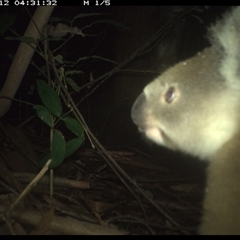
(170, 95)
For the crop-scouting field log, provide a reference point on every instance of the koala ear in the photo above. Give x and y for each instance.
(225, 39)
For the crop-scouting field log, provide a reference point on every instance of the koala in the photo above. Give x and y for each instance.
(194, 107)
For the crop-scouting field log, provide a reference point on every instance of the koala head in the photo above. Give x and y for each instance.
(191, 107)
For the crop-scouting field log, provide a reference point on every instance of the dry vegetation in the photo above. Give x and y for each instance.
(89, 198)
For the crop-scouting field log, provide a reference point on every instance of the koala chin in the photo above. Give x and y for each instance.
(194, 107)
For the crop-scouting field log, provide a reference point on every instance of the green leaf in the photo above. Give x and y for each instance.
(73, 84)
(96, 57)
(59, 58)
(6, 20)
(74, 126)
(58, 148)
(43, 114)
(49, 98)
(57, 153)
(73, 145)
